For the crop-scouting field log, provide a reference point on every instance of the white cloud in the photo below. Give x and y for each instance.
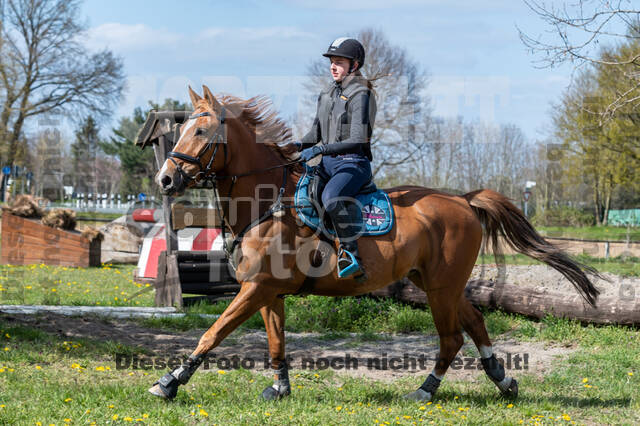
(130, 38)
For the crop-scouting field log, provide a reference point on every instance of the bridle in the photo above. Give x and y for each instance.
(219, 137)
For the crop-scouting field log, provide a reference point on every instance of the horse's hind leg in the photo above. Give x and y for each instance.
(473, 323)
(251, 297)
(273, 316)
(445, 317)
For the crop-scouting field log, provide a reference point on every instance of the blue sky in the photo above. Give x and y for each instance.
(479, 68)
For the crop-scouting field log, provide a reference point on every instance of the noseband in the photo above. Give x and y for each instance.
(218, 138)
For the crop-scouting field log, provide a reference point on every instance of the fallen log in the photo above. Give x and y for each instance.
(538, 302)
(520, 292)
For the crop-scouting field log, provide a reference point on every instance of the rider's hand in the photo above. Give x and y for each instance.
(309, 153)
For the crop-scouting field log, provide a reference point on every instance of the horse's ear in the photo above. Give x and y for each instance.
(194, 97)
(208, 96)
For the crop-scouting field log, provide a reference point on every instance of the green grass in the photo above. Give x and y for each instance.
(606, 233)
(108, 285)
(50, 381)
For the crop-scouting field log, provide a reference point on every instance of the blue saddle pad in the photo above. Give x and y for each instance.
(377, 212)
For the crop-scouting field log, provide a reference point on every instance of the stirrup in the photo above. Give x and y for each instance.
(351, 268)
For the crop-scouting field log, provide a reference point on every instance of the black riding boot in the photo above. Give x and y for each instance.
(347, 222)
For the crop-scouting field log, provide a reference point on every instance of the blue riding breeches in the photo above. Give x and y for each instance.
(345, 176)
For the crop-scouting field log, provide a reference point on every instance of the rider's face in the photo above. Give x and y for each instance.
(339, 67)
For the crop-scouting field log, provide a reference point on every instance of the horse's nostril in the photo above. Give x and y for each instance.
(165, 181)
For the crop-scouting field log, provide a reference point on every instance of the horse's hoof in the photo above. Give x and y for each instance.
(157, 391)
(420, 396)
(512, 390)
(166, 387)
(272, 394)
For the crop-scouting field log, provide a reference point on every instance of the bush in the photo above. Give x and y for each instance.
(563, 216)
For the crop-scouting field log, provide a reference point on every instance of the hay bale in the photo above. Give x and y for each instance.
(25, 206)
(92, 234)
(60, 219)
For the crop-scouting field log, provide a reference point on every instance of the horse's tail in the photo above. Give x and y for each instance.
(501, 218)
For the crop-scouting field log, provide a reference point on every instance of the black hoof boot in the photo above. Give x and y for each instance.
(166, 387)
(281, 386)
(272, 394)
(512, 391)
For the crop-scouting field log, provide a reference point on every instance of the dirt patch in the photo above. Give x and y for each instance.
(388, 358)
(545, 277)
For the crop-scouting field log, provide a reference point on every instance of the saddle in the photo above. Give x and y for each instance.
(377, 212)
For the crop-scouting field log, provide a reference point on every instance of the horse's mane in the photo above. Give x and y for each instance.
(257, 112)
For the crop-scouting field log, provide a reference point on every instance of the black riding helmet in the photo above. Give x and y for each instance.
(349, 48)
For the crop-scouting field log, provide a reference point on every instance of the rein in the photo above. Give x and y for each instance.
(205, 174)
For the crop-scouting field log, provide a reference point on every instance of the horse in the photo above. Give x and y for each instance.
(241, 147)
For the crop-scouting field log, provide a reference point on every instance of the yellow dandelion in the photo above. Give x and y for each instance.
(100, 368)
(266, 413)
(67, 420)
(204, 413)
(145, 416)
(630, 373)
(128, 419)
(114, 417)
(339, 407)
(67, 400)
(6, 349)
(509, 405)
(110, 406)
(222, 372)
(422, 408)
(585, 380)
(38, 367)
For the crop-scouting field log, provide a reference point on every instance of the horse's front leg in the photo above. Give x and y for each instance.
(273, 316)
(249, 300)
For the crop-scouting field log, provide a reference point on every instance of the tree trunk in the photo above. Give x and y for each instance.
(607, 203)
(596, 199)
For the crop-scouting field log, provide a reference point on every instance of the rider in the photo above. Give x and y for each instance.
(344, 123)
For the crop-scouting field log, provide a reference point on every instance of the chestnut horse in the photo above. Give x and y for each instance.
(240, 146)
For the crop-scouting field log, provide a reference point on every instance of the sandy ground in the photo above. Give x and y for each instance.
(545, 277)
(403, 354)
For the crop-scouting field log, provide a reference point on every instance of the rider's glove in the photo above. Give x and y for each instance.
(309, 153)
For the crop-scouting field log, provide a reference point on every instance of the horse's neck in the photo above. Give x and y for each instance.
(246, 198)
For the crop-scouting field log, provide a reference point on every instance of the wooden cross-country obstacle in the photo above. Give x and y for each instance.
(28, 242)
(201, 272)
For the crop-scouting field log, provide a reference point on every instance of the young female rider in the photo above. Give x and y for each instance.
(344, 123)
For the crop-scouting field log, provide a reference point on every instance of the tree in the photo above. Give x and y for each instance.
(399, 84)
(44, 68)
(578, 32)
(588, 157)
(137, 165)
(84, 156)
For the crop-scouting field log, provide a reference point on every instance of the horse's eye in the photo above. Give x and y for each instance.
(200, 131)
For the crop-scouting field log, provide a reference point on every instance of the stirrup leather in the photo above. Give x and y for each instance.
(347, 266)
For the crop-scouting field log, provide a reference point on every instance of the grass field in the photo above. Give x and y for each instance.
(604, 233)
(50, 380)
(57, 380)
(108, 285)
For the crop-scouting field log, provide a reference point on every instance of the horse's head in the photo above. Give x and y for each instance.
(201, 149)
